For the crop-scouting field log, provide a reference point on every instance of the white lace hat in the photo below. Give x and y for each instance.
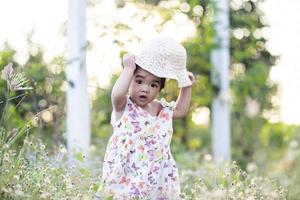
(166, 58)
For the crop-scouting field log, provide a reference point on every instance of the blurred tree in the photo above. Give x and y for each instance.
(251, 86)
(249, 72)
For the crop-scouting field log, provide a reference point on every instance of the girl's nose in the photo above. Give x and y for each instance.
(145, 88)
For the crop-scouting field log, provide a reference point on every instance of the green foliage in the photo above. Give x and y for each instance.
(209, 181)
(47, 94)
(33, 173)
(251, 64)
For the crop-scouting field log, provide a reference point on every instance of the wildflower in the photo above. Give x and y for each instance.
(7, 190)
(251, 167)
(233, 183)
(217, 194)
(42, 146)
(6, 157)
(207, 157)
(16, 178)
(62, 149)
(15, 80)
(18, 80)
(7, 72)
(44, 195)
(47, 180)
(18, 190)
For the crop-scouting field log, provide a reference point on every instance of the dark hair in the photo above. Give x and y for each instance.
(162, 80)
(162, 83)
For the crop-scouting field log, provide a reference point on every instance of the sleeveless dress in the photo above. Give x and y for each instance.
(138, 163)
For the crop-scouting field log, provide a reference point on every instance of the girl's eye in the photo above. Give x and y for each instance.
(138, 81)
(154, 85)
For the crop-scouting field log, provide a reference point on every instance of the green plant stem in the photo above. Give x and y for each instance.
(17, 96)
(25, 128)
(3, 137)
(5, 106)
(16, 106)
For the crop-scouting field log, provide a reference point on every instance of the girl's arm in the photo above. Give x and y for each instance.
(120, 88)
(184, 99)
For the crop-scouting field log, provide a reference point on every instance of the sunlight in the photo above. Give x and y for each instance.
(201, 116)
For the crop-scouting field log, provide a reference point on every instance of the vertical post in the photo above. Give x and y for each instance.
(220, 79)
(78, 113)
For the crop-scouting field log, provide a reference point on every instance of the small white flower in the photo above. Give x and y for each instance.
(42, 146)
(6, 157)
(7, 72)
(207, 157)
(16, 178)
(63, 150)
(251, 167)
(18, 80)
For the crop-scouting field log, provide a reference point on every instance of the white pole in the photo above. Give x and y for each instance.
(220, 78)
(78, 110)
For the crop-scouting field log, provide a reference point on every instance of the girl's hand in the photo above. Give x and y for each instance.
(129, 61)
(191, 77)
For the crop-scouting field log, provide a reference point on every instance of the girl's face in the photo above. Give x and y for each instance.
(144, 87)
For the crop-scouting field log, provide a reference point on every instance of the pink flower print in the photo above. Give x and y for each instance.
(115, 139)
(137, 127)
(164, 115)
(157, 126)
(141, 184)
(141, 147)
(144, 114)
(125, 180)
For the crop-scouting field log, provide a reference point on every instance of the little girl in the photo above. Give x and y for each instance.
(138, 163)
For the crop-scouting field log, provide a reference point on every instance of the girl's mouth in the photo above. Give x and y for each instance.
(143, 97)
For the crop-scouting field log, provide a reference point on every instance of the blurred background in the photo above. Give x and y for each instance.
(264, 73)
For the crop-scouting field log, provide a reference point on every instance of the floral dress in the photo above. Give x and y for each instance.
(138, 163)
